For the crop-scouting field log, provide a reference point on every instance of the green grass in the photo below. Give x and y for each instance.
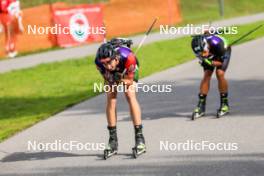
(31, 95)
(194, 11)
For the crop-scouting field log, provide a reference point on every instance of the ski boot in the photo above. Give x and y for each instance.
(224, 108)
(199, 111)
(112, 144)
(140, 146)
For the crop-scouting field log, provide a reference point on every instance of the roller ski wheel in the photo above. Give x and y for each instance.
(196, 115)
(138, 150)
(223, 111)
(198, 112)
(109, 153)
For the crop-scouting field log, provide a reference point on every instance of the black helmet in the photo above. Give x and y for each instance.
(199, 44)
(106, 50)
(117, 42)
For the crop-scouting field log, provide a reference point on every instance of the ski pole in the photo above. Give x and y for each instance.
(146, 35)
(245, 35)
(142, 41)
(105, 37)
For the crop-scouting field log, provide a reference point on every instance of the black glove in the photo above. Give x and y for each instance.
(206, 62)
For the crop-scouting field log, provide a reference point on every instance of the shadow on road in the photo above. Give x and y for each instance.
(23, 156)
(182, 165)
(246, 99)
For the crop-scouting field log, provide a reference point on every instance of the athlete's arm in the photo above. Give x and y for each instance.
(130, 66)
(219, 52)
(101, 69)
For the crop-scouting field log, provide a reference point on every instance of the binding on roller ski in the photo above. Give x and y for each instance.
(199, 110)
(112, 146)
(140, 146)
(223, 110)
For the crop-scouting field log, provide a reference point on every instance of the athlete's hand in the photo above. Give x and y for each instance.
(117, 76)
(109, 78)
(207, 62)
(127, 82)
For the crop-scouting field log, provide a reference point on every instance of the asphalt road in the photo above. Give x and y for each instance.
(166, 118)
(88, 50)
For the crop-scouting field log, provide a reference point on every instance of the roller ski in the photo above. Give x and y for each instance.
(108, 152)
(140, 147)
(139, 150)
(224, 108)
(112, 144)
(199, 111)
(222, 112)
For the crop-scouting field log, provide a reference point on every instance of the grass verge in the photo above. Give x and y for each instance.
(205, 10)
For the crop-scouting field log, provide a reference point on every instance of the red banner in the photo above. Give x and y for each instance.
(77, 25)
